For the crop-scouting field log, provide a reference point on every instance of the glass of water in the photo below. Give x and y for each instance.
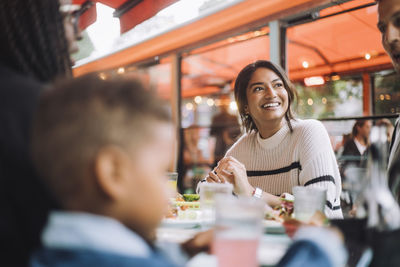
(308, 200)
(238, 231)
(208, 192)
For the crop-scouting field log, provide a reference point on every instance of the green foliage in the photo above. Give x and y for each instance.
(387, 93)
(323, 101)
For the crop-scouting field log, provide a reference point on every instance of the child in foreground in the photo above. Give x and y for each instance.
(103, 149)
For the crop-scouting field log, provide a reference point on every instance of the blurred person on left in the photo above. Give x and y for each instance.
(33, 53)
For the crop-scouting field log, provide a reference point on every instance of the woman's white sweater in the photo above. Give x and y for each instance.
(286, 159)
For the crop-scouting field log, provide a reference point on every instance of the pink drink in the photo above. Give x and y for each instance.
(236, 252)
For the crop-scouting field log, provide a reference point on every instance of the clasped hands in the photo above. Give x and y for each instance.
(230, 170)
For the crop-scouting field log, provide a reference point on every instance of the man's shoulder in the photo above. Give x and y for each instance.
(82, 257)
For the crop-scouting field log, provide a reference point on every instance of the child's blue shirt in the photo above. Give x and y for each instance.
(83, 239)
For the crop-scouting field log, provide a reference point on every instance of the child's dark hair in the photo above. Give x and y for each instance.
(77, 117)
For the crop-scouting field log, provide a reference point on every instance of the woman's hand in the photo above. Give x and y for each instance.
(231, 170)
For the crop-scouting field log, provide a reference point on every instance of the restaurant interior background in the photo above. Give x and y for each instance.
(330, 49)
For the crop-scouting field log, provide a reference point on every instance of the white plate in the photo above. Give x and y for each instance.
(184, 223)
(273, 227)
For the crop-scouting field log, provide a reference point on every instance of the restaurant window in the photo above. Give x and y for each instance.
(327, 56)
(335, 98)
(210, 119)
(386, 92)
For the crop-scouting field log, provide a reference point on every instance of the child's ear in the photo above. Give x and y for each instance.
(110, 171)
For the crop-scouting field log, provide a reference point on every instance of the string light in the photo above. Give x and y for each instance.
(189, 106)
(121, 70)
(335, 77)
(210, 102)
(198, 99)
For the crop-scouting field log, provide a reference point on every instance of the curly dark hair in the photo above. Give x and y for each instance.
(242, 82)
(32, 38)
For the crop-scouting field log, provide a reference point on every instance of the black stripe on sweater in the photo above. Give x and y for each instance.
(329, 204)
(294, 165)
(325, 178)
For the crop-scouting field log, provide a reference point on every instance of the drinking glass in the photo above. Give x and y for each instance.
(172, 181)
(208, 192)
(238, 231)
(308, 200)
(355, 182)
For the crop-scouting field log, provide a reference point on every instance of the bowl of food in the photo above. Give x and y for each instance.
(184, 207)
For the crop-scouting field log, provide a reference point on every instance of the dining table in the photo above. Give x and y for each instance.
(273, 244)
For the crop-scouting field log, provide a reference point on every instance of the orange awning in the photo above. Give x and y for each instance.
(336, 44)
(223, 22)
(130, 12)
(345, 43)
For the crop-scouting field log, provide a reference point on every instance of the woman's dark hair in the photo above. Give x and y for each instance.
(358, 124)
(242, 82)
(32, 38)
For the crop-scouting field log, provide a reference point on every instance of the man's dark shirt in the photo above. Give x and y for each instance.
(352, 156)
(394, 163)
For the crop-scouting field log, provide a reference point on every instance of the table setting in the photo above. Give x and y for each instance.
(261, 237)
(246, 231)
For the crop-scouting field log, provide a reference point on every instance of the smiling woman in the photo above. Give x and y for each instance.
(257, 78)
(269, 101)
(278, 152)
